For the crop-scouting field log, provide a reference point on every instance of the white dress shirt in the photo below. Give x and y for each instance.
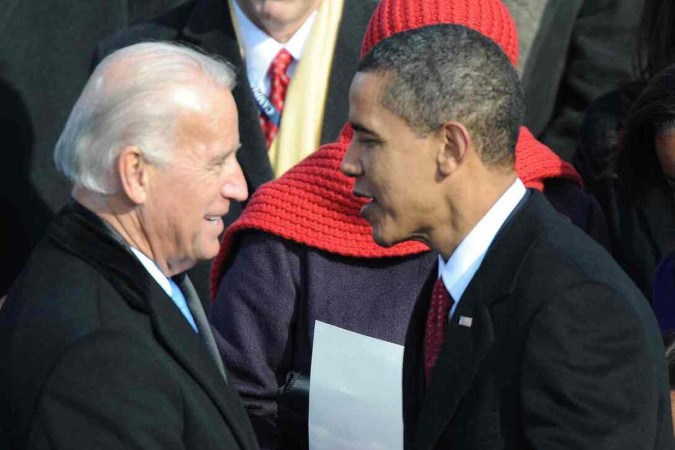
(459, 270)
(260, 49)
(161, 279)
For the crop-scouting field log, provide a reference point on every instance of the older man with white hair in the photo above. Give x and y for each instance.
(103, 341)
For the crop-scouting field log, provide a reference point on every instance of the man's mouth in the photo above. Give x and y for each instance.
(358, 194)
(212, 218)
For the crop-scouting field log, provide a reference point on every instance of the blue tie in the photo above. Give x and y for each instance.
(179, 299)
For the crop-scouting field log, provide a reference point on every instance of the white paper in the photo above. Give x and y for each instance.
(355, 398)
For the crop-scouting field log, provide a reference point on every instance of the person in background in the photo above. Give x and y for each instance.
(301, 252)
(571, 52)
(298, 57)
(528, 334)
(638, 192)
(103, 341)
(605, 118)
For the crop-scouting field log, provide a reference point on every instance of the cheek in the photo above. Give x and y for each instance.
(665, 151)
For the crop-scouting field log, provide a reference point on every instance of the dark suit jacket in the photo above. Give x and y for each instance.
(94, 354)
(583, 48)
(207, 25)
(563, 351)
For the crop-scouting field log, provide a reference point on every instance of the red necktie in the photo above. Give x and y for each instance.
(437, 318)
(279, 84)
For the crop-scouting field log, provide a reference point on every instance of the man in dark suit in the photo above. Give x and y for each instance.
(243, 32)
(103, 341)
(531, 336)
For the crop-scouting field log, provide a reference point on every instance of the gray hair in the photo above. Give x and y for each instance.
(127, 101)
(449, 72)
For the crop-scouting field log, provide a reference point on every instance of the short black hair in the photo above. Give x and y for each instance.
(449, 72)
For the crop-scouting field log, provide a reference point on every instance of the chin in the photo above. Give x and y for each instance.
(382, 242)
(381, 239)
(208, 251)
(386, 241)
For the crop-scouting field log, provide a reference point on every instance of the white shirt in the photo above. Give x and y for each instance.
(153, 270)
(459, 270)
(179, 299)
(260, 49)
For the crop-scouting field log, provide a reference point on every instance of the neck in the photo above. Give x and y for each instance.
(467, 205)
(123, 217)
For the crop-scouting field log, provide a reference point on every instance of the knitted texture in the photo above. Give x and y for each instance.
(312, 204)
(488, 17)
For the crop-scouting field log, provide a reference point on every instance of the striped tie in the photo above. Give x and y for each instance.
(279, 85)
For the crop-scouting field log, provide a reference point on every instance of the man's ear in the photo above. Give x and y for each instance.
(457, 141)
(134, 174)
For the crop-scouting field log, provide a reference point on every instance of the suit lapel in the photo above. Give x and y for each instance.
(413, 360)
(346, 58)
(465, 347)
(187, 347)
(552, 39)
(197, 309)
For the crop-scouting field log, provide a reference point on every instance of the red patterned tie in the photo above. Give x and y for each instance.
(437, 318)
(279, 84)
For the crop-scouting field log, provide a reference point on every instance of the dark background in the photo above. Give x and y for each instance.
(45, 57)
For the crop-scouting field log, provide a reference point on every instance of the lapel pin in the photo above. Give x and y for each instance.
(465, 321)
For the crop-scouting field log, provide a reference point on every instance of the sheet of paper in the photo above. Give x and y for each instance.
(355, 399)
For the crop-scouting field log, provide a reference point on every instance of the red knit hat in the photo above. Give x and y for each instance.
(312, 203)
(488, 17)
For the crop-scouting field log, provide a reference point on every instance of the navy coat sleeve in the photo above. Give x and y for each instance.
(254, 311)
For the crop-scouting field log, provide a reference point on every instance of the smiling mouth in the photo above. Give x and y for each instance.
(212, 218)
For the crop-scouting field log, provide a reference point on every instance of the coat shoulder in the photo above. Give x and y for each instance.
(166, 27)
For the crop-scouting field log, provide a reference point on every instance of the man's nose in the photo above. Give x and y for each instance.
(235, 187)
(350, 165)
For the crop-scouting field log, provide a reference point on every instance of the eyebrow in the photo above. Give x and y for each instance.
(362, 128)
(222, 157)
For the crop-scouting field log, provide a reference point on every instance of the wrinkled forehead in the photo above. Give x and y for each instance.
(488, 17)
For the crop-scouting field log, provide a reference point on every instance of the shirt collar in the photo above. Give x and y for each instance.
(154, 271)
(260, 48)
(459, 270)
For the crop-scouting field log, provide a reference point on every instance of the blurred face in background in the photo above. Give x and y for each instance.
(279, 18)
(664, 143)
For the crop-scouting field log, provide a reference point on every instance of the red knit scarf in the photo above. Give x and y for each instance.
(312, 204)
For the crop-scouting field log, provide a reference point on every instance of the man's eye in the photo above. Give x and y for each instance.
(219, 163)
(367, 141)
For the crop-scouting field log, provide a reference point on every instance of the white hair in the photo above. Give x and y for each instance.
(127, 102)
